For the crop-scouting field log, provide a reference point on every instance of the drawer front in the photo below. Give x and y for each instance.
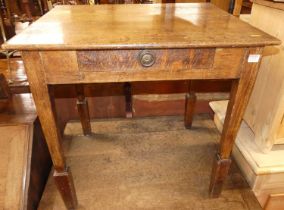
(141, 65)
(145, 60)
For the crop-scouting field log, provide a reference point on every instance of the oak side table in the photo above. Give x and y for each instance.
(126, 43)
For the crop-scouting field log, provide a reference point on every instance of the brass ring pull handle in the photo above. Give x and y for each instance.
(146, 58)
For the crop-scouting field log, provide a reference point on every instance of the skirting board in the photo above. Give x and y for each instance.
(264, 172)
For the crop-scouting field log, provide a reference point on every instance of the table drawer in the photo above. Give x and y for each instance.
(87, 66)
(146, 60)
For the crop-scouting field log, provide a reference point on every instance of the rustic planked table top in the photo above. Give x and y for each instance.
(135, 26)
(125, 43)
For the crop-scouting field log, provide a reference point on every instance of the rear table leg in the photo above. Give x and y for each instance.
(83, 110)
(190, 101)
(128, 100)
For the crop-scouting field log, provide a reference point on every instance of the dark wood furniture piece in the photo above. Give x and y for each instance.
(25, 161)
(162, 42)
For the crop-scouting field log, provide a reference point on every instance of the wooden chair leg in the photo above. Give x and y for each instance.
(240, 93)
(190, 101)
(83, 110)
(128, 100)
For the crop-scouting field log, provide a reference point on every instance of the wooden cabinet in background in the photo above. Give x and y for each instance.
(25, 161)
(263, 124)
(265, 112)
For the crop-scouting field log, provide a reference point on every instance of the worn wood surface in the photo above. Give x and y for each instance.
(220, 170)
(154, 26)
(106, 100)
(222, 63)
(163, 26)
(44, 106)
(66, 60)
(240, 93)
(128, 60)
(47, 115)
(64, 182)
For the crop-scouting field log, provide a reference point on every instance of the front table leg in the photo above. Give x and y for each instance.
(65, 185)
(239, 97)
(46, 114)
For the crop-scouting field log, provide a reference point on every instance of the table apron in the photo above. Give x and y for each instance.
(101, 66)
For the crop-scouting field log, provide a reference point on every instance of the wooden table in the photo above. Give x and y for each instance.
(125, 43)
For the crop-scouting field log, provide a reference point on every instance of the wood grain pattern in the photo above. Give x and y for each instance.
(265, 116)
(128, 60)
(44, 106)
(111, 66)
(240, 93)
(47, 116)
(154, 26)
(163, 28)
(66, 60)
(24, 153)
(14, 165)
(202, 58)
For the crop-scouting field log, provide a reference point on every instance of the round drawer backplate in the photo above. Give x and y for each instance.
(146, 58)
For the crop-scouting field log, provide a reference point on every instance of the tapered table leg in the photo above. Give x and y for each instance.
(64, 182)
(219, 172)
(239, 97)
(47, 115)
(190, 101)
(83, 110)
